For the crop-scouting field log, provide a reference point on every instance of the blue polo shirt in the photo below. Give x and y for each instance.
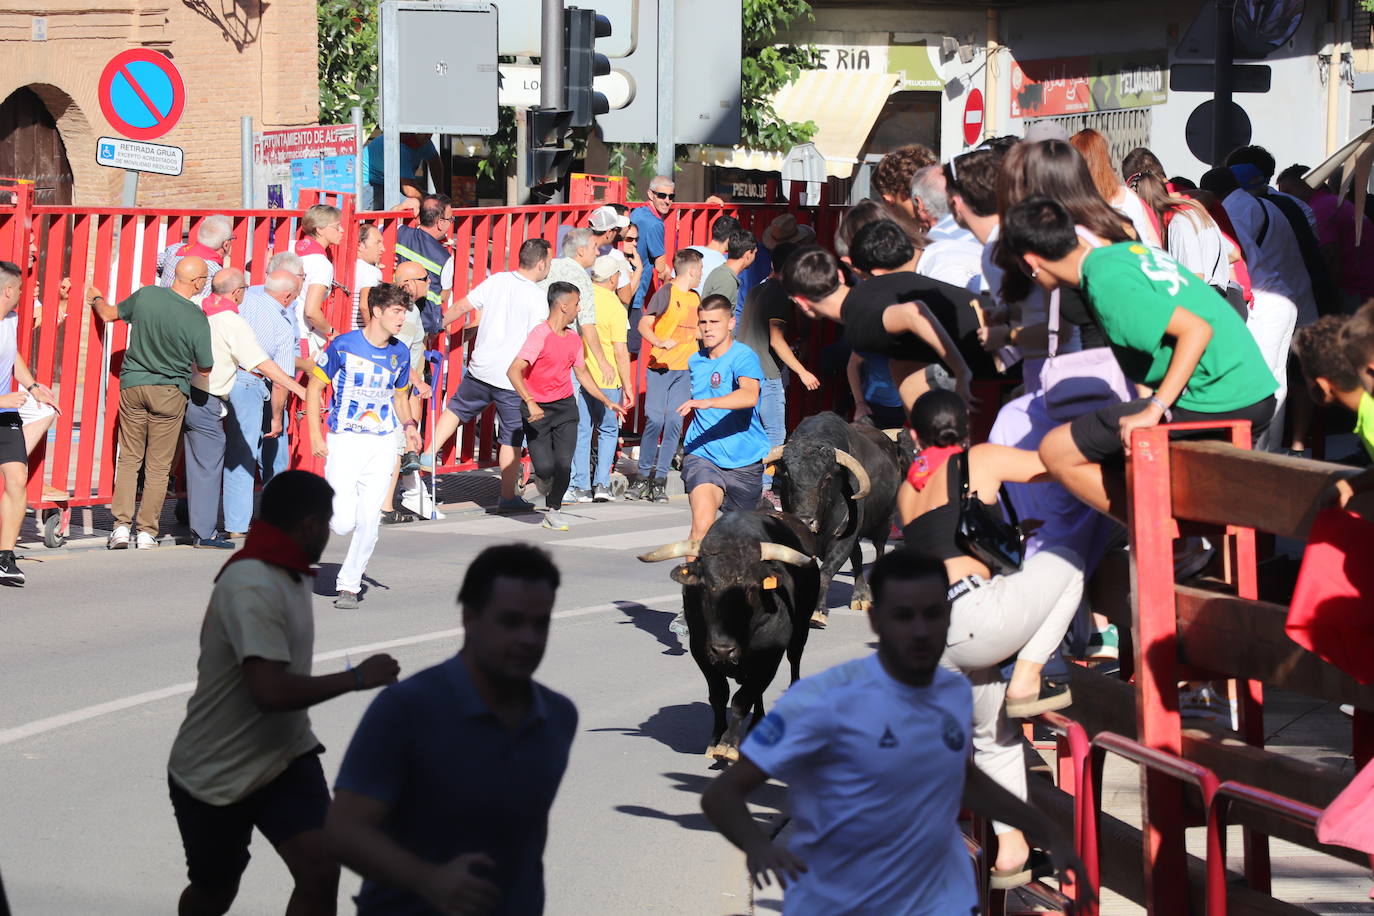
(374, 166)
(726, 438)
(456, 781)
(651, 246)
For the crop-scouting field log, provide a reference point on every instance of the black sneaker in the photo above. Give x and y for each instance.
(660, 494)
(10, 573)
(640, 489)
(400, 516)
(410, 461)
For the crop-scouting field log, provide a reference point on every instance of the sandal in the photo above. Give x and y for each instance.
(1037, 866)
(1053, 695)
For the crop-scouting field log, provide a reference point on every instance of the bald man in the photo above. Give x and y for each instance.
(172, 337)
(414, 279)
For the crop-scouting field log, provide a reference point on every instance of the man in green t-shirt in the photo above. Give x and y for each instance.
(1170, 332)
(724, 280)
(171, 335)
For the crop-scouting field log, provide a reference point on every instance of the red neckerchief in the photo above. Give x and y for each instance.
(214, 303)
(930, 460)
(309, 246)
(196, 249)
(271, 545)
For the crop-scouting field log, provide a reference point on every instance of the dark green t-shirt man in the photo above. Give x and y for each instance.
(1133, 291)
(170, 334)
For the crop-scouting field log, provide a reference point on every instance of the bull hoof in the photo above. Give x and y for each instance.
(819, 619)
(722, 752)
(859, 605)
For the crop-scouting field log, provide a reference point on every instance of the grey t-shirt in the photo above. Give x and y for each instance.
(764, 303)
(722, 282)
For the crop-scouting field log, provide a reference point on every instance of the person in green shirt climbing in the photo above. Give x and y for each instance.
(1170, 332)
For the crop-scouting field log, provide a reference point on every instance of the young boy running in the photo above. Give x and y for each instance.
(369, 371)
(542, 375)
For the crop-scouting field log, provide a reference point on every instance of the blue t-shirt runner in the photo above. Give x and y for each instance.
(724, 446)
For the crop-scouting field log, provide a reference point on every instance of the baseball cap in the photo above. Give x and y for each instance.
(604, 219)
(605, 267)
(1046, 130)
(1248, 176)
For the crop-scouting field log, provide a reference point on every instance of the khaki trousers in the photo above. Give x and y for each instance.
(149, 426)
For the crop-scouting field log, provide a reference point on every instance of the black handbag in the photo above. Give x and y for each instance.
(983, 532)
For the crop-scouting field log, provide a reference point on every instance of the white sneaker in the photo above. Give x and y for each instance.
(119, 538)
(145, 541)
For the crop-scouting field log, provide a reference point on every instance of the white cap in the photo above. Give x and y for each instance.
(604, 219)
(605, 267)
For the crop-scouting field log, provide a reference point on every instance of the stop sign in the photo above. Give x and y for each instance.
(973, 117)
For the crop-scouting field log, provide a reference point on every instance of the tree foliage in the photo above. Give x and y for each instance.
(347, 33)
(766, 68)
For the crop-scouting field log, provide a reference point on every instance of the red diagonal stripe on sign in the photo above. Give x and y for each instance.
(142, 96)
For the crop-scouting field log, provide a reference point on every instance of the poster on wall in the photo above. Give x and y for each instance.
(286, 162)
(1099, 82)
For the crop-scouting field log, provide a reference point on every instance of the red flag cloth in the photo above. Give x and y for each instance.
(1332, 614)
(268, 543)
(1349, 820)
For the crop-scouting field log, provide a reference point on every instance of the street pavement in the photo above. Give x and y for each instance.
(98, 658)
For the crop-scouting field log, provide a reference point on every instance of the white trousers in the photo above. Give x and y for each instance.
(1025, 615)
(359, 469)
(1271, 323)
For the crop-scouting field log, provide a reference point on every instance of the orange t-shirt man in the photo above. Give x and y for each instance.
(675, 314)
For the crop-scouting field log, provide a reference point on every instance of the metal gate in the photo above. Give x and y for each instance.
(1124, 129)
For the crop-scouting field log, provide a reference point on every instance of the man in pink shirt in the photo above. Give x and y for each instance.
(542, 376)
(1351, 264)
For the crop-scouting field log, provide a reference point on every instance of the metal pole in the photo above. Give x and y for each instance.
(130, 189)
(1224, 57)
(356, 117)
(666, 18)
(246, 161)
(516, 197)
(553, 66)
(391, 101)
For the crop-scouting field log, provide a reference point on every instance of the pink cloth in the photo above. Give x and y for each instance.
(309, 246)
(552, 358)
(1336, 226)
(196, 249)
(1332, 612)
(1349, 820)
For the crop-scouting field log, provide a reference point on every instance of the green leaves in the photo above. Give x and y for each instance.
(347, 31)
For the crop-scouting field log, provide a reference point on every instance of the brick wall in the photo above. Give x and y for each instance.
(249, 57)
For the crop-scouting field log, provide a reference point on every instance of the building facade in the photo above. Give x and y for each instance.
(247, 57)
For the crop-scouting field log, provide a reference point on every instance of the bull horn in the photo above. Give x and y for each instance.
(848, 461)
(774, 455)
(672, 551)
(782, 553)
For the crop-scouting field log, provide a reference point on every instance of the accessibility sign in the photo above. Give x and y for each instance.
(141, 93)
(135, 156)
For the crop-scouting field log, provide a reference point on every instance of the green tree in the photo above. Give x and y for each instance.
(348, 61)
(768, 67)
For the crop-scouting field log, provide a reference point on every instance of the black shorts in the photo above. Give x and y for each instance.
(743, 486)
(1098, 434)
(216, 837)
(12, 439)
(472, 397)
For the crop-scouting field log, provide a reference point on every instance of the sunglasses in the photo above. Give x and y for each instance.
(630, 238)
(954, 162)
(661, 196)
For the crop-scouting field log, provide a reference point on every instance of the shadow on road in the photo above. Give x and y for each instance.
(653, 622)
(770, 796)
(685, 728)
(327, 575)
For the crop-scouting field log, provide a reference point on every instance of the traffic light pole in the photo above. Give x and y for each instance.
(666, 18)
(552, 66)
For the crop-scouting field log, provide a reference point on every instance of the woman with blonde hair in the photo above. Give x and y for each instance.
(321, 227)
(1092, 146)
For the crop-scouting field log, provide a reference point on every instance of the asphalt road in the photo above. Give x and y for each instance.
(98, 656)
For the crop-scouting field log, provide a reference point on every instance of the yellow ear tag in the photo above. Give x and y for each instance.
(770, 582)
(771, 470)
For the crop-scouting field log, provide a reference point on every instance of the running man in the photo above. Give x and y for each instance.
(875, 754)
(369, 371)
(542, 375)
(245, 756)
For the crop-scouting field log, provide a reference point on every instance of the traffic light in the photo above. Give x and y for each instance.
(581, 29)
(547, 159)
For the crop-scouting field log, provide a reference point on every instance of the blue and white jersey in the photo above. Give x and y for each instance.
(365, 379)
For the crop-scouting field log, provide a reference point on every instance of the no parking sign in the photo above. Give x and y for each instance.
(141, 93)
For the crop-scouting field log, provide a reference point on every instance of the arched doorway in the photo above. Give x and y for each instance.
(31, 147)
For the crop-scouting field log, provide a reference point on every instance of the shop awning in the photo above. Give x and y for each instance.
(844, 104)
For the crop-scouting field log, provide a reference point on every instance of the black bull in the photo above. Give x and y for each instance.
(840, 479)
(747, 598)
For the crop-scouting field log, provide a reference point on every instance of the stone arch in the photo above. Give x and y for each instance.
(90, 184)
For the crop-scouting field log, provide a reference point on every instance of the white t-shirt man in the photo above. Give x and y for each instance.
(235, 346)
(365, 276)
(511, 305)
(875, 773)
(956, 262)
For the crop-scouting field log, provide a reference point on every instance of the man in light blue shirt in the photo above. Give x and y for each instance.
(416, 150)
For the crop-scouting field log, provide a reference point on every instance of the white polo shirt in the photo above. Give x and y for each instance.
(875, 773)
(511, 305)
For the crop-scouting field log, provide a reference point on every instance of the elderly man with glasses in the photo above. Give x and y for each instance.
(236, 349)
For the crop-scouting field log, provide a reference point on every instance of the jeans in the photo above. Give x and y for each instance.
(773, 415)
(593, 414)
(247, 453)
(664, 392)
(204, 461)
